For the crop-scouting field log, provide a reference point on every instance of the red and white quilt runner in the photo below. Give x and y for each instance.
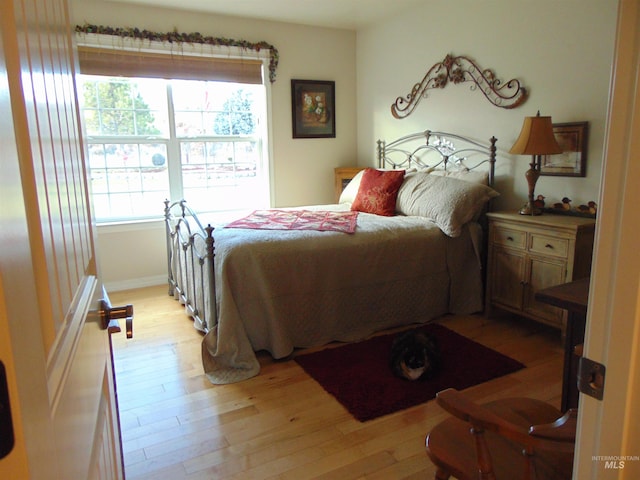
(298, 220)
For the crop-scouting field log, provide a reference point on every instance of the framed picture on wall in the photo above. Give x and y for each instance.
(313, 109)
(572, 162)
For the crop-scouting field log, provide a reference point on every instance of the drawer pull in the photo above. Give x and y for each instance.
(548, 245)
(510, 238)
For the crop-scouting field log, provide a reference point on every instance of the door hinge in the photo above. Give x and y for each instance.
(591, 377)
(6, 422)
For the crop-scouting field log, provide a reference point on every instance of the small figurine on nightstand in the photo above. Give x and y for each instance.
(582, 208)
(533, 207)
(539, 201)
(590, 208)
(564, 205)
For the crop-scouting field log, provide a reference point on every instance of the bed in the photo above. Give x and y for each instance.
(250, 288)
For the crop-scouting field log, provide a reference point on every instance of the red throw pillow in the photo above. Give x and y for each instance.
(378, 191)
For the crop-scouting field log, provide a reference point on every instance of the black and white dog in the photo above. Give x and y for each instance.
(415, 355)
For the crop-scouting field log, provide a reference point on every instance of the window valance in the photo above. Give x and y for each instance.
(140, 53)
(102, 61)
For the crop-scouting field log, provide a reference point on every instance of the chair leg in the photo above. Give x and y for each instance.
(442, 475)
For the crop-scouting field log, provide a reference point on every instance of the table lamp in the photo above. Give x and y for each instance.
(536, 139)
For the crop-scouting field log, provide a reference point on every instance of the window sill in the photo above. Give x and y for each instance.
(130, 225)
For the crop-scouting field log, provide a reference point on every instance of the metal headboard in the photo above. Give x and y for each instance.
(438, 150)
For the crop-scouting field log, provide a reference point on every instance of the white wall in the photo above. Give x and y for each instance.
(303, 168)
(132, 255)
(561, 51)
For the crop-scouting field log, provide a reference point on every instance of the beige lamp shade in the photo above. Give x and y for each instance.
(536, 138)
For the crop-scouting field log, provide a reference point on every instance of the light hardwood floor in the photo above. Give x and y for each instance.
(281, 424)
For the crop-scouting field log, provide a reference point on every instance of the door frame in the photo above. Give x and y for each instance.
(609, 430)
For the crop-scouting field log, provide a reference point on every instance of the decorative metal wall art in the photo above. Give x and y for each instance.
(458, 70)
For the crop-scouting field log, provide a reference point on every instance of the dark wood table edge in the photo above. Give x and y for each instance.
(573, 297)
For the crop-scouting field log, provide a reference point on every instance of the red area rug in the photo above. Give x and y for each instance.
(323, 221)
(359, 377)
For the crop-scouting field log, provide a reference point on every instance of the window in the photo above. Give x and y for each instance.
(149, 139)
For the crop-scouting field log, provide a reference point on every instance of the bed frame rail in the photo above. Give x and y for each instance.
(190, 263)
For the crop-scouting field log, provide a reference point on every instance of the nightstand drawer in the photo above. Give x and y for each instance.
(509, 237)
(545, 245)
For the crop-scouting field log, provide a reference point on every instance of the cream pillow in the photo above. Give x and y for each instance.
(449, 202)
(466, 175)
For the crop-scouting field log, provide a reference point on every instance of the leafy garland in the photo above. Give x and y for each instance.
(191, 38)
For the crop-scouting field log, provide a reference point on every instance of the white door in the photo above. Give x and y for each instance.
(53, 345)
(609, 430)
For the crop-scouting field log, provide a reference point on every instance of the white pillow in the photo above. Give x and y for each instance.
(448, 202)
(349, 193)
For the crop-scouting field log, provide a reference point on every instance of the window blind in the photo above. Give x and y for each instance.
(128, 63)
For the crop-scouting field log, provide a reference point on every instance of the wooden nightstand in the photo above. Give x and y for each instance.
(530, 253)
(343, 176)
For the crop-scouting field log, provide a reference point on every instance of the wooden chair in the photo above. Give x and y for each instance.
(508, 439)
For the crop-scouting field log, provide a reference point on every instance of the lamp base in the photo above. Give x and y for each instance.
(528, 209)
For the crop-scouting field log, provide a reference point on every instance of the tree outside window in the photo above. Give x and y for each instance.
(213, 135)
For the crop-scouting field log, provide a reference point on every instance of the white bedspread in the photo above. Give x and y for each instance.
(278, 290)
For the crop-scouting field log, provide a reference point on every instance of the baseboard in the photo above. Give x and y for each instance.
(130, 284)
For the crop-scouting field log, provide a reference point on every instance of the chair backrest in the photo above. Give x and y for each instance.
(513, 437)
